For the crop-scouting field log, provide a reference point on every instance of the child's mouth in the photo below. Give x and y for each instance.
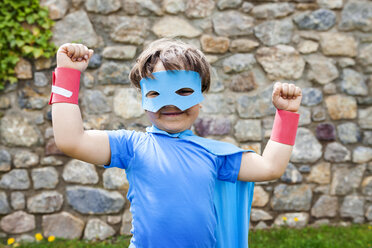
(172, 113)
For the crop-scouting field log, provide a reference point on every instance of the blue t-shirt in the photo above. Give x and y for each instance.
(171, 186)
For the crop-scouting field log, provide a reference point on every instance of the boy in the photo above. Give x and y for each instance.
(171, 172)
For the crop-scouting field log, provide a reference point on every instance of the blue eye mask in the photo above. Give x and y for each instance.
(166, 88)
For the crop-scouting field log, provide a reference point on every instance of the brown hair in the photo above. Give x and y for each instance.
(175, 55)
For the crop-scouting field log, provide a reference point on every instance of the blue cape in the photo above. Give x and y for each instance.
(232, 201)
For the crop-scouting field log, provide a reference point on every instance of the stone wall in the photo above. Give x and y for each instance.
(324, 46)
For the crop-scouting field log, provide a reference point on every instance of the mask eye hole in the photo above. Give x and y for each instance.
(185, 91)
(152, 94)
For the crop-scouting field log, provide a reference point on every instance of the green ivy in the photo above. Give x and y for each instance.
(24, 32)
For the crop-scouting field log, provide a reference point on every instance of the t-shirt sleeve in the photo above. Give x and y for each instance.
(229, 166)
(122, 144)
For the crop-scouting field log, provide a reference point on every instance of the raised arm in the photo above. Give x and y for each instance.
(274, 160)
(91, 146)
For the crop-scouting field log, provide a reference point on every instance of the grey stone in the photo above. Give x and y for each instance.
(44, 178)
(102, 7)
(364, 56)
(25, 238)
(17, 200)
(346, 62)
(239, 62)
(365, 118)
(259, 214)
(330, 89)
(311, 96)
(129, 30)
(346, 179)
(321, 189)
(95, 61)
(126, 224)
(321, 19)
(256, 106)
(25, 159)
(143, 7)
(307, 149)
(367, 138)
(45, 202)
(335, 152)
(243, 45)
(15, 179)
(261, 225)
(218, 104)
(274, 32)
(320, 173)
(199, 8)
(62, 225)
(322, 69)
(352, 206)
(88, 80)
(115, 178)
(205, 126)
(326, 132)
(113, 219)
(77, 171)
(356, 15)
(95, 102)
(291, 198)
(338, 44)
(273, 10)
(75, 26)
(174, 27)
(57, 9)
(334, 4)
(97, 229)
(231, 23)
(228, 4)
(325, 206)
(353, 83)
(364, 100)
(281, 62)
(5, 160)
(51, 160)
(291, 175)
(216, 81)
(4, 205)
(17, 222)
(31, 98)
(247, 7)
(15, 130)
(349, 133)
(318, 113)
(105, 202)
(127, 103)
(367, 186)
(304, 168)
(40, 79)
(174, 6)
(297, 220)
(113, 73)
(362, 154)
(119, 52)
(248, 130)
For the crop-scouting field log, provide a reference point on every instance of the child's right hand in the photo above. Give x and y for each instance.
(74, 56)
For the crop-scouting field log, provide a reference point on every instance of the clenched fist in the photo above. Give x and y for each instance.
(286, 97)
(75, 56)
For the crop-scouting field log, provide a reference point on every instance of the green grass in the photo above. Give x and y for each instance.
(358, 236)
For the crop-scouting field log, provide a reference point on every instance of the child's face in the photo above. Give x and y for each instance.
(170, 118)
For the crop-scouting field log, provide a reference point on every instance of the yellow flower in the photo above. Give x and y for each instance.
(370, 227)
(38, 236)
(51, 238)
(11, 241)
(284, 218)
(295, 219)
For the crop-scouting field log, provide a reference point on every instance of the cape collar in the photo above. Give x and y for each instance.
(181, 135)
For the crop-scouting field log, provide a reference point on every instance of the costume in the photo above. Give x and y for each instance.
(159, 170)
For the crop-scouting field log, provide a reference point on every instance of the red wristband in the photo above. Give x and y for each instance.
(285, 127)
(65, 86)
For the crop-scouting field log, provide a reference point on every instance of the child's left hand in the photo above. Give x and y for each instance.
(286, 96)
